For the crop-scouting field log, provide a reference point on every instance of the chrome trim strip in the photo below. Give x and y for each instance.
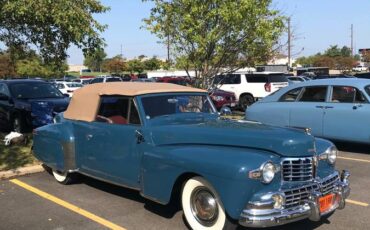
(69, 155)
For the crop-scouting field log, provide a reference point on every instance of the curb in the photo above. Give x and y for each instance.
(21, 171)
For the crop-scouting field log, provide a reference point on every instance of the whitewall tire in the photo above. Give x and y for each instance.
(203, 209)
(63, 178)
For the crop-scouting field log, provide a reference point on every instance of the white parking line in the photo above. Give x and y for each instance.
(354, 159)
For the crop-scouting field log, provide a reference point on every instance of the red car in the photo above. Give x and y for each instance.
(222, 98)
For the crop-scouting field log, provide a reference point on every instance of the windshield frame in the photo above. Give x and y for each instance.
(195, 115)
(10, 86)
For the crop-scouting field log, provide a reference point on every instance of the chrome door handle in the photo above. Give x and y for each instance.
(319, 107)
(328, 107)
(89, 136)
(356, 106)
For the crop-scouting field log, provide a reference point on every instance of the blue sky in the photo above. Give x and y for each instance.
(317, 24)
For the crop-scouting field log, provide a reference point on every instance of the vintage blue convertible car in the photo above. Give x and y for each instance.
(167, 141)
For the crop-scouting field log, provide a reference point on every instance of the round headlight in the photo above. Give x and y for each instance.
(268, 172)
(332, 153)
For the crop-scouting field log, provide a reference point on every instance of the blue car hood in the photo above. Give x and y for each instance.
(244, 134)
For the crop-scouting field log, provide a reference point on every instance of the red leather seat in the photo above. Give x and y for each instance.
(117, 119)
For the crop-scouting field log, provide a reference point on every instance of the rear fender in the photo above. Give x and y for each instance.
(54, 145)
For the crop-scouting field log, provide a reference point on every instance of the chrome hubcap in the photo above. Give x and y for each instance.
(204, 206)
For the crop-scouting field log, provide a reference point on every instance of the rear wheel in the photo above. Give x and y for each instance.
(202, 207)
(19, 125)
(245, 101)
(62, 177)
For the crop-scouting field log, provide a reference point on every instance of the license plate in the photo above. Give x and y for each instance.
(326, 202)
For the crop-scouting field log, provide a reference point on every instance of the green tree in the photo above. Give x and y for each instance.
(214, 34)
(346, 51)
(135, 65)
(94, 60)
(152, 64)
(34, 67)
(51, 26)
(333, 51)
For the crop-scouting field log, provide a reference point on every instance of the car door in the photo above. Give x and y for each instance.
(347, 115)
(109, 147)
(5, 105)
(308, 110)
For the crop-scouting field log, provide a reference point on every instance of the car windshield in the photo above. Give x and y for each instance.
(155, 106)
(33, 90)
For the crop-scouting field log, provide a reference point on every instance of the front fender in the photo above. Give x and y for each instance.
(226, 168)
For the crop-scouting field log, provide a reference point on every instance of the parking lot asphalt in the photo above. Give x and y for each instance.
(39, 202)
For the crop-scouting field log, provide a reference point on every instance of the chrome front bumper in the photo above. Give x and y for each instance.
(260, 218)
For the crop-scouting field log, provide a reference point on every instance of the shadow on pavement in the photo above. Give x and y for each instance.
(353, 147)
(167, 211)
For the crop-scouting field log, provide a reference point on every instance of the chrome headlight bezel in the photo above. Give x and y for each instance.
(266, 172)
(330, 155)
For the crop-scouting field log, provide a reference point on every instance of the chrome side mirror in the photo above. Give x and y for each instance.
(225, 111)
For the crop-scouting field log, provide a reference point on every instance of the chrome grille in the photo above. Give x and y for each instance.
(328, 185)
(297, 169)
(297, 196)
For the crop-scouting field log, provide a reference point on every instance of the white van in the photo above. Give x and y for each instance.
(251, 86)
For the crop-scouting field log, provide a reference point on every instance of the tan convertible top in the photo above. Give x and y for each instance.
(85, 101)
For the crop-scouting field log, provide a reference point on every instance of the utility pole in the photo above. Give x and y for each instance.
(121, 52)
(289, 42)
(352, 40)
(168, 48)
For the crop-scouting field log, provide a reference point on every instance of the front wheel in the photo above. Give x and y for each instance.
(245, 101)
(202, 207)
(62, 177)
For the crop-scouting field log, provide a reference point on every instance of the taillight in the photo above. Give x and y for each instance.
(268, 87)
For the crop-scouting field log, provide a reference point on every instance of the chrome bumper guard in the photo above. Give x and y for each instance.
(310, 208)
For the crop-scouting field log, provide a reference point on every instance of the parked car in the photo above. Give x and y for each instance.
(359, 68)
(168, 142)
(67, 88)
(221, 98)
(83, 81)
(105, 79)
(337, 109)
(25, 104)
(250, 87)
(297, 79)
(175, 80)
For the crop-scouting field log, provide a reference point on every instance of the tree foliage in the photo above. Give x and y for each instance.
(152, 64)
(210, 35)
(135, 65)
(51, 26)
(334, 57)
(94, 60)
(114, 65)
(6, 67)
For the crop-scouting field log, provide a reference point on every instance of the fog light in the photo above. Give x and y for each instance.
(278, 201)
